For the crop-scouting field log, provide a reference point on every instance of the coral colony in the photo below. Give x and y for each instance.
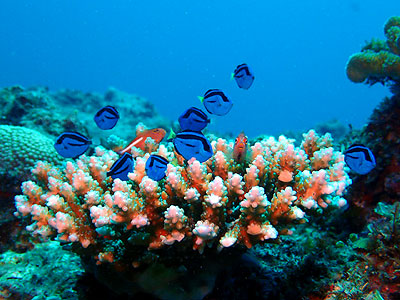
(378, 61)
(219, 203)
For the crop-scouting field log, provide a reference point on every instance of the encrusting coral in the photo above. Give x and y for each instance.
(378, 61)
(218, 204)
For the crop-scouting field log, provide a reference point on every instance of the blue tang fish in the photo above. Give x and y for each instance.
(216, 102)
(360, 159)
(107, 117)
(156, 166)
(243, 76)
(193, 144)
(121, 167)
(193, 119)
(71, 144)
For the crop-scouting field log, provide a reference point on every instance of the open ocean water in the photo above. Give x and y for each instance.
(170, 52)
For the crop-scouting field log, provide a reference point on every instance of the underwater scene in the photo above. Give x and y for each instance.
(200, 150)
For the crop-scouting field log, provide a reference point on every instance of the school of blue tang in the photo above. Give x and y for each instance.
(190, 142)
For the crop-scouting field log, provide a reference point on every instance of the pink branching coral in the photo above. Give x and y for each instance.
(218, 204)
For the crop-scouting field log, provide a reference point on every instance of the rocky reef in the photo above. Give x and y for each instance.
(284, 223)
(46, 272)
(381, 135)
(374, 197)
(36, 108)
(40, 115)
(53, 112)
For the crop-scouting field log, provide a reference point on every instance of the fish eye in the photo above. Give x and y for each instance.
(155, 130)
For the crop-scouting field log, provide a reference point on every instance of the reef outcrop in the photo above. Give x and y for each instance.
(378, 61)
(381, 135)
(53, 112)
(143, 228)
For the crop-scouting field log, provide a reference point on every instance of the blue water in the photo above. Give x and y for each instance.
(173, 51)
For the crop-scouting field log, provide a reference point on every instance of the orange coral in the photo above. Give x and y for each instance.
(216, 203)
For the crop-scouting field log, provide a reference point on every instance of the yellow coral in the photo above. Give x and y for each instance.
(392, 32)
(380, 63)
(370, 64)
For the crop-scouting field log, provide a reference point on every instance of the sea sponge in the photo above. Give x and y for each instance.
(378, 61)
(21, 148)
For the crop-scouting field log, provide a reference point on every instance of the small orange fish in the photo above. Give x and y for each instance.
(157, 134)
(240, 148)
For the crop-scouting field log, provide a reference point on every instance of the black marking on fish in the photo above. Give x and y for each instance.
(215, 92)
(157, 158)
(110, 109)
(353, 157)
(75, 144)
(118, 164)
(197, 112)
(191, 136)
(241, 67)
(160, 159)
(360, 148)
(73, 135)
